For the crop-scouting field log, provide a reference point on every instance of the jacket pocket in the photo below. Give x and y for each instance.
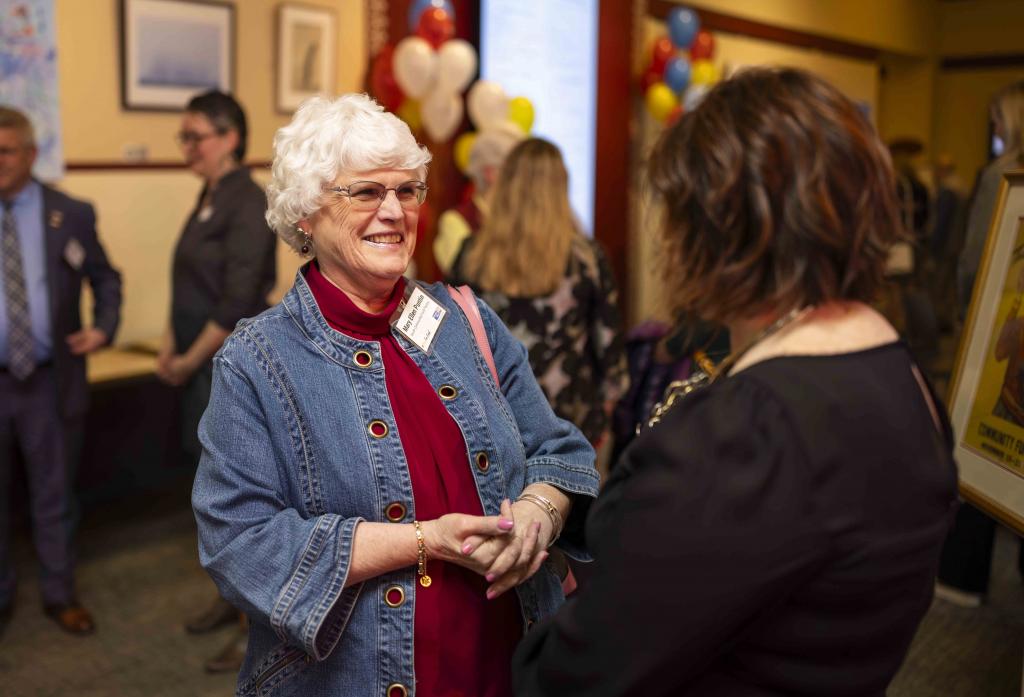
(279, 665)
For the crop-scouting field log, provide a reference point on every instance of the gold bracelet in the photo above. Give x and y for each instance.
(551, 509)
(421, 556)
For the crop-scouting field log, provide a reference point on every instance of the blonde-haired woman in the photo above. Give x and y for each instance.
(551, 286)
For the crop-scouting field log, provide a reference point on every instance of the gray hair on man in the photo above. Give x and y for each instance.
(327, 136)
(489, 151)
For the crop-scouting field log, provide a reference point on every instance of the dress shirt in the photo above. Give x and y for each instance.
(28, 216)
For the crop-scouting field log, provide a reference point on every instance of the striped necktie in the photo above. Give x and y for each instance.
(20, 361)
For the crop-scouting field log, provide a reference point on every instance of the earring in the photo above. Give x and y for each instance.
(307, 243)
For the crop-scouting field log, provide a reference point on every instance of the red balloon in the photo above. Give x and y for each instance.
(435, 26)
(650, 76)
(662, 51)
(674, 115)
(703, 46)
(383, 85)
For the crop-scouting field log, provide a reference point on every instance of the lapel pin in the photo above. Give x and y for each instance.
(56, 218)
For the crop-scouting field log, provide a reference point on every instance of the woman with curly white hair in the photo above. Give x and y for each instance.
(379, 466)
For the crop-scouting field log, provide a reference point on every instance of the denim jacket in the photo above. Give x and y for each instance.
(289, 469)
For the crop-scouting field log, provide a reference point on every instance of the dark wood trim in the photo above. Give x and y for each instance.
(730, 24)
(101, 165)
(612, 156)
(996, 60)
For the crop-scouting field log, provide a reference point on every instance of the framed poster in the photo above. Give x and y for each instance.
(173, 49)
(306, 54)
(987, 393)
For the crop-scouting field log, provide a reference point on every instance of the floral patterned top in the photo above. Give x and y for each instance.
(573, 336)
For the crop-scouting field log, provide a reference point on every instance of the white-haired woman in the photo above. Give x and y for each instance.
(367, 493)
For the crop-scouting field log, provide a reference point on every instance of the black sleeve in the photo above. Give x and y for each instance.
(248, 244)
(706, 524)
(104, 279)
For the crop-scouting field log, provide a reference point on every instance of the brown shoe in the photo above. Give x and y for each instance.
(230, 658)
(219, 613)
(71, 617)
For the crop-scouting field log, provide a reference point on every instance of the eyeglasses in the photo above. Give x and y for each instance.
(185, 138)
(367, 196)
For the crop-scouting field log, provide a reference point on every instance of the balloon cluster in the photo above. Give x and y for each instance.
(681, 71)
(490, 109)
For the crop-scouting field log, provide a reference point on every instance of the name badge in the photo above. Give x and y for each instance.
(420, 318)
(74, 254)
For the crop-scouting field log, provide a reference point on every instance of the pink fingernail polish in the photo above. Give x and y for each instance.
(467, 548)
(490, 578)
(491, 595)
(505, 524)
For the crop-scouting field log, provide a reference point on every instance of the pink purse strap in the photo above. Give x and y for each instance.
(463, 295)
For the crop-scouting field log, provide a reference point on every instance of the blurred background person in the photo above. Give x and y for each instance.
(456, 224)
(224, 268)
(778, 530)
(967, 556)
(551, 286)
(365, 493)
(947, 239)
(48, 248)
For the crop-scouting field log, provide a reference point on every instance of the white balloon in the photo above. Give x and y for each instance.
(441, 113)
(415, 66)
(456, 65)
(488, 104)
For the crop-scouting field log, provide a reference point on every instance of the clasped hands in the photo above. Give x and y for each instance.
(506, 549)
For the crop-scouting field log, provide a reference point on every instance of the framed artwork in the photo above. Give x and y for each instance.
(306, 54)
(173, 49)
(987, 392)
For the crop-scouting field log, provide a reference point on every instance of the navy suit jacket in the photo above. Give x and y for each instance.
(66, 219)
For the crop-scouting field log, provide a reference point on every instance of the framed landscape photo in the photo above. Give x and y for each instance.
(987, 392)
(173, 49)
(306, 54)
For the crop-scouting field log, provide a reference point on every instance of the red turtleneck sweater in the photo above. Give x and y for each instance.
(463, 642)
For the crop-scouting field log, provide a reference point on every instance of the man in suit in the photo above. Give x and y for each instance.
(48, 246)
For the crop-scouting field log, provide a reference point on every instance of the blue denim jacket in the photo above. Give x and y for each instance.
(289, 469)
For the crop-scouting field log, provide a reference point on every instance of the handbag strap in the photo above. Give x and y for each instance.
(463, 295)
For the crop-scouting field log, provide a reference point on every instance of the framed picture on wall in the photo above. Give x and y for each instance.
(987, 393)
(306, 54)
(174, 49)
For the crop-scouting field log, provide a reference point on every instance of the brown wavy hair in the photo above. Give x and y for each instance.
(523, 247)
(777, 194)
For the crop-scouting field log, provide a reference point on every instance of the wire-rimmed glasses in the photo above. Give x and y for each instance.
(369, 195)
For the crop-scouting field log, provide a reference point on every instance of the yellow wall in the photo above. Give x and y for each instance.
(141, 212)
(981, 27)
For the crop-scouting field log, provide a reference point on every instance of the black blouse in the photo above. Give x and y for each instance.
(777, 533)
(225, 262)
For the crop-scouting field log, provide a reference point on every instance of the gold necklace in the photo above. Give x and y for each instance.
(677, 389)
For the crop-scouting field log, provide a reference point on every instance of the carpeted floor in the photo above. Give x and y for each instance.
(140, 575)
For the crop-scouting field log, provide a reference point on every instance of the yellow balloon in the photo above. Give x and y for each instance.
(463, 146)
(410, 113)
(704, 72)
(661, 100)
(520, 112)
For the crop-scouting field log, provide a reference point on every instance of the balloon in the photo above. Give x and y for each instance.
(683, 25)
(415, 66)
(661, 100)
(436, 26)
(456, 65)
(460, 153)
(417, 7)
(382, 80)
(410, 113)
(677, 74)
(661, 52)
(703, 46)
(442, 114)
(649, 77)
(704, 72)
(674, 115)
(488, 105)
(694, 96)
(520, 112)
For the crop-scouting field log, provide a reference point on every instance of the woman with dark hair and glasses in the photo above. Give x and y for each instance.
(369, 491)
(777, 531)
(224, 267)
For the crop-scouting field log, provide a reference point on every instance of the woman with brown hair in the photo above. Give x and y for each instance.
(551, 286)
(776, 531)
